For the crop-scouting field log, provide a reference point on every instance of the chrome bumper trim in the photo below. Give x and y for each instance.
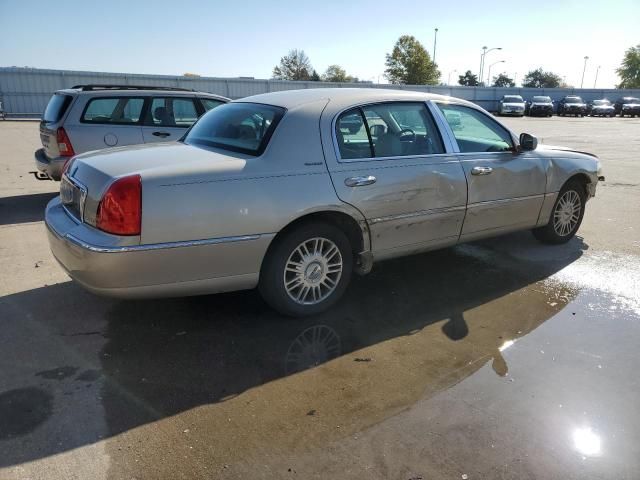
(151, 246)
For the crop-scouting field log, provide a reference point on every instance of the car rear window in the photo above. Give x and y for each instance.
(238, 127)
(56, 107)
(116, 110)
(513, 98)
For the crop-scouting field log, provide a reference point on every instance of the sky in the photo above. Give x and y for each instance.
(247, 38)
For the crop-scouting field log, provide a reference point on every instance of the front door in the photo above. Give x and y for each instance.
(506, 187)
(168, 118)
(391, 164)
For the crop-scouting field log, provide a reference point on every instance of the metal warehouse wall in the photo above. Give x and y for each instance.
(26, 91)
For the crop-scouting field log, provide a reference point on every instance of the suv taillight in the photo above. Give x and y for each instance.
(120, 209)
(64, 144)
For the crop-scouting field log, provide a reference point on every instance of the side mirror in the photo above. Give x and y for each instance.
(528, 142)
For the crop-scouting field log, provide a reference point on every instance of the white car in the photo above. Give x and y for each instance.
(511, 105)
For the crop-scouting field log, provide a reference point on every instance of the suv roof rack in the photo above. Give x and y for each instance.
(95, 86)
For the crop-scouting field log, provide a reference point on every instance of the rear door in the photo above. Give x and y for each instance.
(98, 122)
(506, 187)
(391, 163)
(169, 117)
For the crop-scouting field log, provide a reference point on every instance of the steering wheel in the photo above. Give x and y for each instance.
(411, 137)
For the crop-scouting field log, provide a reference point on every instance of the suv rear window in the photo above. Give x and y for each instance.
(56, 107)
(118, 110)
(238, 127)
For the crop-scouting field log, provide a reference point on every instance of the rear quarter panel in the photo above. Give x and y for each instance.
(256, 195)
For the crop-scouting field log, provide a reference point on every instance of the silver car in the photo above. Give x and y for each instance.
(511, 105)
(293, 191)
(93, 117)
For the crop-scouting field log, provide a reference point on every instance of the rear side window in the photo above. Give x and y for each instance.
(238, 127)
(398, 129)
(119, 110)
(172, 112)
(56, 107)
(210, 103)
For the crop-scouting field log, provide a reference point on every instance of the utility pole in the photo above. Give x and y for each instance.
(596, 80)
(435, 41)
(584, 69)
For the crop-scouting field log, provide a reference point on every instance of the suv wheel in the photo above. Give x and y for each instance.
(307, 271)
(566, 215)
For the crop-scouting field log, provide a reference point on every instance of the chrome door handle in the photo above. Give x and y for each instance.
(481, 170)
(360, 181)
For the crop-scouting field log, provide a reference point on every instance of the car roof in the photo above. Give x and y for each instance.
(114, 92)
(293, 98)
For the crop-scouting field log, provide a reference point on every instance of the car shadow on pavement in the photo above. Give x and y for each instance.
(24, 208)
(159, 358)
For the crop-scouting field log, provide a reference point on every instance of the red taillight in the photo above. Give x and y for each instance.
(64, 144)
(120, 210)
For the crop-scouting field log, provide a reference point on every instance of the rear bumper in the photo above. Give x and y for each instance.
(104, 265)
(51, 167)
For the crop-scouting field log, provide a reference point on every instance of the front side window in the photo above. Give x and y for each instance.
(238, 127)
(172, 112)
(387, 130)
(474, 131)
(120, 110)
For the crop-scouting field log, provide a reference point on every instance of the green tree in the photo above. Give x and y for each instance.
(629, 71)
(409, 63)
(540, 79)
(293, 66)
(335, 73)
(468, 79)
(503, 80)
(315, 77)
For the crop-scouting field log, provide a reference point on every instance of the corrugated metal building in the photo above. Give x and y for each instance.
(26, 91)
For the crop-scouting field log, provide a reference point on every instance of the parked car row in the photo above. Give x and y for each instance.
(292, 191)
(541, 105)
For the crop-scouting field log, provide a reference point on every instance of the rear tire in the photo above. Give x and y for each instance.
(307, 270)
(566, 215)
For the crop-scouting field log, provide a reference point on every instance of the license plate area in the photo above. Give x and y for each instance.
(72, 196)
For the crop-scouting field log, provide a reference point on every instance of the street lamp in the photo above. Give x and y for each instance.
(584, 69)
(596, 80)
(435, 40)
(449, 79)
(489, 76)
(482, 55)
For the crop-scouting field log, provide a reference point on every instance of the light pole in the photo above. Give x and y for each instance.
(584, 69)
(435, 41)
(596, 80)
(482, 55)
(449, 79)
(515, 79)
(489, 76)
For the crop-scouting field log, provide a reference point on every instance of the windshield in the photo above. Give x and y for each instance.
(239, 127)
(573, 100)
(56, 107)
(541, 99)
(512, 99)
(601, 102)
(632, 100)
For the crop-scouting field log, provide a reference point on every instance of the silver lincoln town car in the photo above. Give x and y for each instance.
(293, 191)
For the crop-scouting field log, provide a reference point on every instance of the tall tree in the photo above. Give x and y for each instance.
(629, 71)
(503, 80)
(335, 73)
(468, 79)
(409, 63)
(540, 79)
(314, 76)
(293, 66)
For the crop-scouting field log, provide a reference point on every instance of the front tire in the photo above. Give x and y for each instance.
(566, 215)
(307, 270)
